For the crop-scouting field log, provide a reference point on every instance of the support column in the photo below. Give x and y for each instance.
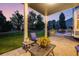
(25, 22)
(46, 21)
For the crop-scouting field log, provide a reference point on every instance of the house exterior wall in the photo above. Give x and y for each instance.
(76, 22)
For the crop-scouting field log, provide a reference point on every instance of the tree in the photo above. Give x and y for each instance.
(17, 20)
(62, 22)
(40, 24)
(54, 24)
(2, 21)
(31, 20)
(7, 26)
(51, 24)
(35, 21)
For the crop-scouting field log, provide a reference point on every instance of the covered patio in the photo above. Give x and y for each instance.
(62, 43)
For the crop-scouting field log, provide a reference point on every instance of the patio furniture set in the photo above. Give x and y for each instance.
(36, 50)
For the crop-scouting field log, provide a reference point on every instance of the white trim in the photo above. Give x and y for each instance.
(25, 22)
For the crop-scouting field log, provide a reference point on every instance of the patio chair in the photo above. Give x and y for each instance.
(77, 49)
(33, 37)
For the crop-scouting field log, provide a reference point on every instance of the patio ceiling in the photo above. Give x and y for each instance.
(52, 8)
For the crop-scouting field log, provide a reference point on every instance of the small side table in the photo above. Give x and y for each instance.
(77, 49)
(26, 45)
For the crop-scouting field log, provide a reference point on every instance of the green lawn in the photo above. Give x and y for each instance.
(10, 41)
(40, 33)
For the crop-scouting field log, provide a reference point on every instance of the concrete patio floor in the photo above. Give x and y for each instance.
(64, 47)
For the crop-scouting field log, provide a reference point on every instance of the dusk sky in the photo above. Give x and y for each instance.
(68, 14)
(9, 8)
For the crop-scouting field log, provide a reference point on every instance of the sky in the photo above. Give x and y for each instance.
(9, 8)
(68, 14)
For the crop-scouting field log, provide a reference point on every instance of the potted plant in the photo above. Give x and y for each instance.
(43, 42)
